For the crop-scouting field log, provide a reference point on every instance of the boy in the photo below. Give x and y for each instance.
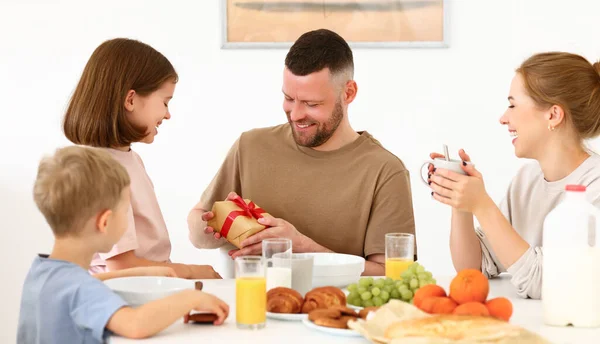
(84, 195)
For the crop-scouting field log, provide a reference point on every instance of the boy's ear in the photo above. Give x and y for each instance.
(102, 220)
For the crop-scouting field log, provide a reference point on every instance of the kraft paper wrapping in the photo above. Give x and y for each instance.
(243, 226)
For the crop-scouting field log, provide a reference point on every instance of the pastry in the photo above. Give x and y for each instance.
(284, 300)
(461, 328)
(334, 317)
(333, 323)
(324, 313)
(323, 297)
(345, 310)
(203, 318)
(365, 311)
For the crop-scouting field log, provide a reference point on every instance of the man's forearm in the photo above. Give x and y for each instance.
(306, 244)
(374, 269)
(196, 231)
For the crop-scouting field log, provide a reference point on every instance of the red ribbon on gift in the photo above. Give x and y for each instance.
(248, 210)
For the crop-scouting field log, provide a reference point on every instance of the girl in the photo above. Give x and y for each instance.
(122, 98)
(554, 106)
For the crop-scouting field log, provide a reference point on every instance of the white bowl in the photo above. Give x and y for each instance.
(139, 290)
(336, 269)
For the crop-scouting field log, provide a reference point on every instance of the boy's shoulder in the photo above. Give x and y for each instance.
(71, 295)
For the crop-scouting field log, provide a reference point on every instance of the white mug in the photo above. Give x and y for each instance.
(452, 165)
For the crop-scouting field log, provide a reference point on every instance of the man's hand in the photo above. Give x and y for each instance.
(207, 216)
(279, 228)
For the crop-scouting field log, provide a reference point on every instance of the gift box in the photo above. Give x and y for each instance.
(237, 219)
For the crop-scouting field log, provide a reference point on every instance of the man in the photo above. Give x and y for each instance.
(330, 188)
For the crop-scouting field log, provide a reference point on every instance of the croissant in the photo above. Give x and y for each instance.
(284, 300)
(323, 297)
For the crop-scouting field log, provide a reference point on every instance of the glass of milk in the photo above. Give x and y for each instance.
(278, 260)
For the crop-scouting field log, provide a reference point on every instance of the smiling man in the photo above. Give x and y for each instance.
(329, 188)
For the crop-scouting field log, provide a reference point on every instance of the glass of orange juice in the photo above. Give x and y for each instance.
(250, 292)
(399, 253)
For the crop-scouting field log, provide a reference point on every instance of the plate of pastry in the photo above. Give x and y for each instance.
(333, 320)
(289, 305)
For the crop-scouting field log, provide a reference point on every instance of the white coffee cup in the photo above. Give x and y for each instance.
(452, 165)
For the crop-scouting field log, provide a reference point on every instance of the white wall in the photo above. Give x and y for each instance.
(411, 100)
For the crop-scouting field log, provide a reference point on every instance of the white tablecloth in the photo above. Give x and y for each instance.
(527, 313)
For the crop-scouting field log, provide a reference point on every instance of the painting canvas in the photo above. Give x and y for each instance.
(366, 23)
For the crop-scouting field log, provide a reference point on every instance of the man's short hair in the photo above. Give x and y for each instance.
(319, 49)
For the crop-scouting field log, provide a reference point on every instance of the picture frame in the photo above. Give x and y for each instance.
(385, 23)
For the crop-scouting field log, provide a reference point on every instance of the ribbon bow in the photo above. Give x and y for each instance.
(248, 210)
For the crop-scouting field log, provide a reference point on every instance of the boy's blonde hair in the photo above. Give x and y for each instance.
(76, 183)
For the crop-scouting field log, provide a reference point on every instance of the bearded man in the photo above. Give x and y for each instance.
(328, 187)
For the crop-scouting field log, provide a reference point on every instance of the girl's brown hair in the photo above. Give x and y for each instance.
(567, 80)
(96, 114)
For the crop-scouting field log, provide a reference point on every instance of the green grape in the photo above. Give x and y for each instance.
(420, 269)
(388, 288)
(395, 294)
(365, 296)
(380, 283)
(353, 295)
(408, 275)
(402, 288)
(414, 283)
(406, 295)
(377, 301)
(433, 281)
(352, 287)
(423, 283)
(355, 301)
(371, 280)
(385, 296)
(375, 291)
(422, 276)
(364, 282)
(368, 303)
(399, 283)
(361, 290)
(389, 281)
(428, 274)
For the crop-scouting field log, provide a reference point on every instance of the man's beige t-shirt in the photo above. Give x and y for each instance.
(345, 200)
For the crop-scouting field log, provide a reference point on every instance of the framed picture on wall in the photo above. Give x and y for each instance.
(363, 23)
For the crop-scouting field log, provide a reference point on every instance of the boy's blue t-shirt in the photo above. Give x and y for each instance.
(63, 303)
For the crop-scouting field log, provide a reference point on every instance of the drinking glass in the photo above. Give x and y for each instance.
(278, 260)
(250, 292)
(399, 253)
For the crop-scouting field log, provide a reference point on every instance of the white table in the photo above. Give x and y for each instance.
(527, 313)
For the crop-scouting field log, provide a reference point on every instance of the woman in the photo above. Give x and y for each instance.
(554, 107)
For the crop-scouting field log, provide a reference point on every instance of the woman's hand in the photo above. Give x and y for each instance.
(462, 192)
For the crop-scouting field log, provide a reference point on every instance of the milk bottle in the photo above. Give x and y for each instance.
(571, 262)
